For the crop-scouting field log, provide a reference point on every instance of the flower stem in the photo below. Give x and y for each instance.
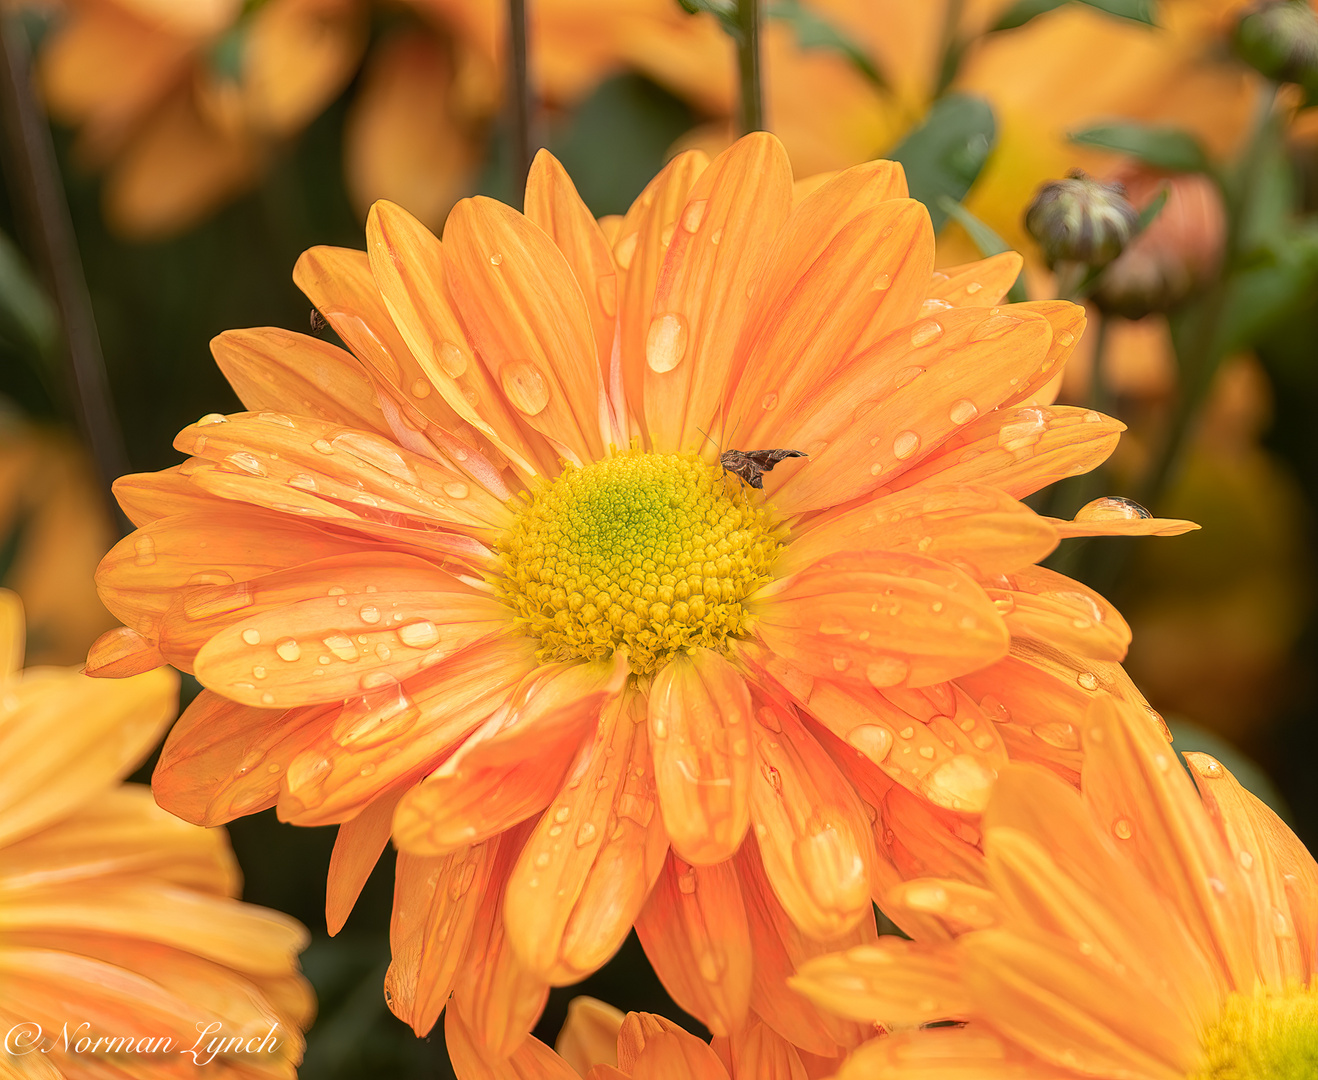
(748, 65)
(521, 97)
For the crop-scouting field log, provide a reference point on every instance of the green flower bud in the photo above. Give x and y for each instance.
(1280, 40)
(1081, 220)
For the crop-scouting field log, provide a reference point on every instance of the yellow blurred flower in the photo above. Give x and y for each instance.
(1138, 929)
(118, 920)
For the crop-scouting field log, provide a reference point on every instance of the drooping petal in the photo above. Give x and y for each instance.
(1042, 604)
(893, 982)
(695, 934)
(1119, 519)
(724, 233)
(121, 652)
(881, 619)
(699, 729)
(357, 848)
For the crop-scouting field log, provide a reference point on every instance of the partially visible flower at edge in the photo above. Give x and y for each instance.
(116, 918)
(1137, 929)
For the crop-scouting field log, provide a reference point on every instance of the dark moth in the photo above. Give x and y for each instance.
(751, 465)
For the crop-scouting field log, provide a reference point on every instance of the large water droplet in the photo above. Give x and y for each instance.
(374, 451)
(288, 649)
(369, 613)
(1112, 508)
(625, 250)
(144, 551)
(496, 259)
(961, 783)
(905, 444)
(252, 636)
(248, 463)
(421, 388)
(871, 740)
(1058, 733)
(456, 490)
(926, 332)
(341, 646)
(694, 214)
(525, 386)
(882, 281)
(419, 635)
(1087, 680)
(1121, 828)
(451, 359)
(887, 671)
(665, 343)
(586, 834)
(963, 411)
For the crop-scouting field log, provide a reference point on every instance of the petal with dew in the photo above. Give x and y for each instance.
(892, 982)
(1120, 521)
(942, 1054)
(1042, 604)
(699, 729)
(121, 652)
(147, 497)
(978, 284)
(724, 233)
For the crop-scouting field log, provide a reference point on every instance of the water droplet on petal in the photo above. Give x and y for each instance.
(769, 402)
(525, 386)
(1065, 338)
(905, 444)
(926, 332)
(370, 614)
(341, 646)
(887, 671)
(871, 740)
(1058, 733)
(973, 287)
(962, 782)
(1112, 508)
(686, 881)
(1208, 767)
(716, 236)
(304, 481)
(144, 551)
(496, 259)
(456, 490)
(212, 418)
(323, 446)
(248, 463)
(934, 305)
(694, 214)
(906, 376)
(419, 635)
(1245, 859)
(625, 250)
(421, 388)
(1121, 827)
(451, 359)
(665, 344)
(288, 649)
(963, 411)
(995, 326)
(586, 834)
(882, 281)
(251, 636)
(1087, 680)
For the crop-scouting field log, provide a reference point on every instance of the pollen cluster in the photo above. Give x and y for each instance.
(653, 553)
(1263, 1037)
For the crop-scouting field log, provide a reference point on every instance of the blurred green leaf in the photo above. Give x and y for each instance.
(813, 31)
(27, 316)
(988, 242)
(1023, 11)
(1161, 147)
(944, 155)
(1150, 213)
(723, 10)
(1278, 280)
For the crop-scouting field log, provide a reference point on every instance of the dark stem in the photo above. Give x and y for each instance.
(523, 148)
(38, 193)
(748, 65)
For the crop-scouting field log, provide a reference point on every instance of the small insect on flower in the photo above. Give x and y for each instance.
(751, 465)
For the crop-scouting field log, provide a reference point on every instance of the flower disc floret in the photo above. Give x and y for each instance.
(1263, 1037)
(654, 553)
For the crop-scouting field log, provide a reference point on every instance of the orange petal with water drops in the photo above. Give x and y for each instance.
(1111, 516)
(923, 840)
(862, 286)
(146, 497)
(958, 907)
(589, 863)
(896, 402)
(694, 931)
(527, 317)
(408, 265)
(121, 652)
(780, 950)
(357, 848)
(881, 619)
(397, 733)
(285, 639)
(942, 1054)
(552, 203)
(105, 729)
(1019, 449)
(1133, 785)
(1068, 323)
(589, 1035)
(498, 997)
(699, 730)
(273, 370)
(436, 900)
(723, 236)
(892, 982)
(978, 284)
(1042, 604)
(638, 251)
(813, 832)
(979, 529)
(1280, 874)
(513, 766)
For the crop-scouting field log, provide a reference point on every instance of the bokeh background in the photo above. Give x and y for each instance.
(177, 158)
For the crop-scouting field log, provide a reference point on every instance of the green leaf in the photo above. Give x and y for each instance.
(723, 10)
(813, 31)
(944, 155)
(1161, 147)
(1140, 11)
(27, 317)
(984, 238)
(1150, 212)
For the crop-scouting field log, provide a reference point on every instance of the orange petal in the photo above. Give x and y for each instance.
(637, 1029)
(357, 848)
(677, 1053)
(924, 840)
(959, 908)
(513, 767)
(759, 1051)
(1020, 449)
(813, 833)
(695, 934)
(1118, 518)
(893, 982)
(968, 1053)
(408, 265)
(528, 319)
(145, 497)
(1042, 604)
(1282, 877)
(13, 639)
(532, 1060)
(724, 233)
(978, 284)
(552, 203)
(643, 238)
(1068, 323)
(121, 652)
(699, 714)
(589, 863)
(882, 619)
(882, 415)
(589, 1035)
(278, 371)
(435, 905)
(981, 529)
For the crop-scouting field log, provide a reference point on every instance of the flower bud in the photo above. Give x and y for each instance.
(1176, 255)
(1280, 40)
(1081, 220)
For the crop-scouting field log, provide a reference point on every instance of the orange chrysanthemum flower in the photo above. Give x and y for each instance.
(1135, 929)
(481, 585)
(118, 921)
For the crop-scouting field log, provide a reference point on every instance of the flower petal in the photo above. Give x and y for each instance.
(892, 982)
(146, 497)
(724, 233)
(699, 728)
(1042, 604)
(589, 1035)
(1121, 526)
(677, 1053)
(532, 1060)
(942, 1054)
(121, 652)
(882, 619)
(978, 284)
(357, 848)
(759, 1051)
(695, 934)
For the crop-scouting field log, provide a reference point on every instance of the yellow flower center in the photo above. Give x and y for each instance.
(1264, 1037)
(652, 553)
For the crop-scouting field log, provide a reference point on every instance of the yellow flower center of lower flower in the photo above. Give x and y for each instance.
(1264, 1037)
(653, 553)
